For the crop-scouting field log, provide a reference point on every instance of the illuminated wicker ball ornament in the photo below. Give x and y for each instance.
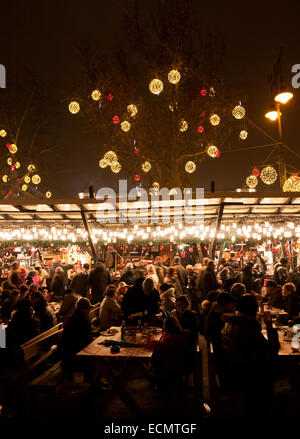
(3, 133)
(5, 178)
(251, 181)
(146, 166)
(125, 125)
(18, 164)
(243, 135)
(48, 194)
(13, 148)
(213, 151)
(291, 186)
(174, 76)
(190, 167)
(9, 161)
(74, 107)
(27, 179)
(96, 96)
(110, 157)
(215, 119)
(36, 179)
(132, 110)
(238, 112)
(116, 167)
(31, 168)
(268, 175)
(24, 187)
(156, 86)
(183, 125)
(103, 163)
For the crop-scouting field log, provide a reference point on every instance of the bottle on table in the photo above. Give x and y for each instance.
(123, 331)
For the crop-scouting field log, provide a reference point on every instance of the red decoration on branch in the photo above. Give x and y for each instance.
(203, 92)
(137, 177)
(116, 119)
(255, 172)
(110, 97)
(200, 129)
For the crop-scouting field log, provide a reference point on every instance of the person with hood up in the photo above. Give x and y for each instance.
(98, 280)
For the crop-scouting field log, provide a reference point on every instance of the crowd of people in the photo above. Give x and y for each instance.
(221, 301)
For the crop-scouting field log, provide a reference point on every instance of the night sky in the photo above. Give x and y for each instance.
(42, 36)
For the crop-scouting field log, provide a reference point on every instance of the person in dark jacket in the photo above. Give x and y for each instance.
(172, 279)
(43, 311)
(181, 272)
(249, 358)
(9, 305)
(249, 280)
(58, 283)
(209, 280)
(291, 300)
(274, 295)
(98, 280)
(80, 283)
(129, 276)
(23, 326)
(281, 271)
(15, 277)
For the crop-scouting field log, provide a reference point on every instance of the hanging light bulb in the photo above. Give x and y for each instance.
(74, 107)
(156, 86)
(174, 76)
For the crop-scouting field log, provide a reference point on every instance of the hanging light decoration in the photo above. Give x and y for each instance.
(3, 133)
(156, 86)
(255, 172)
(239, 112)
(17, 164)
(96, 95)
(137, 177)
(103, 163)
(116, 119)
(31, 167)
(268, 175)
(174, 76)
(146, 166)
(110, 157)
(251, 181)
(116, 167)
(190, 167)
(214, 119)
(5, 178)
(36, 179)
(24, 187)
(294, 177)
(48, 194)
(74, 107)
(125, 125)
(200, 129)
(243, 134)
(155, 186)
(212, 151)
(132, 110)
(9, 161)
(183, 125)
(291, 186)
(211, 92)
(171, 107)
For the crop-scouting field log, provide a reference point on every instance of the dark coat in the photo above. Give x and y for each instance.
(46, 316)
(208, 282)
(248, 356)
(276, 299)
(98, 280)
(80, 283)
(136, 301)
(215, 324)
(58, 284)
(23, 327)
(280, 274)
(7, 309)
(181, 272)
(129, 276)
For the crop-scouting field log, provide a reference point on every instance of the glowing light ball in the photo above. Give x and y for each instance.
(268, 175)
(156, 86)
(215, 119)
(251, 181)
(294, 178)
(116, 167)
(238, 112)
(137, 177)
(155, 186)
(146, 166)
(174, 76)
(212, 151)
(291, 186)
(110, 157)
(116, 119)
(132, 110)
(183, 125)
(24, 187)
(125, 125)
(9, 161)
(48, 194)
(74, 107)
(200, 129)
(31, 168)
(255, 172)
(190, 167)
(3, 133)
(243, 134)
(5, 178)
(36, 179)
(96, 95)
(17, 164)
(103, 163)
(27, 179)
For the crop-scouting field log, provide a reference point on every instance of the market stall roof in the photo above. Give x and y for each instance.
(236, 204)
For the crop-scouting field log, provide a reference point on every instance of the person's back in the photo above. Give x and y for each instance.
(98, 280)
(68, 305)
(43, 311)
(181, 272)
(80, 283)
(129, 276)
(23, 326)
(281, 272)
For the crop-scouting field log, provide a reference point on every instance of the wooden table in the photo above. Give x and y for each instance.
(102, 359)
(285, 343)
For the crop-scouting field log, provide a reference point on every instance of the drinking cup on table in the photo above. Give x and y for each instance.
(138, 337)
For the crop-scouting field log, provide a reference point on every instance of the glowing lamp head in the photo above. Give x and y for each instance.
(272, 115)
(283, 97)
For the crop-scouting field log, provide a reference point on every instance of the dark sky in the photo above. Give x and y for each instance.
(43, 35)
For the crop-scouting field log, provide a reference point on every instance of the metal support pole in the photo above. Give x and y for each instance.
(281, 161)
(87, 228)
(218, 224)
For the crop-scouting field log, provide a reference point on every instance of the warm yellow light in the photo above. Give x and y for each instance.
(103, 163)
(17, 164)
(291, 186)
(272, 115)
(36, 179)
(190, 167)
(212, 151)
(96, 95)
(110, 157)
(125, 126)
(155, 186)
(183, 125)
(268, 175)
(146, 166)
(27, 179)
(31, 168)
(243, 135)
(3, 133)
(132, 110)
(74, 107)
(215, 119)
(156, 86)
(24, 187)
(174, 76)
(9, 161)
(48, 194)
(116, 167)
(239, 112)
(251, 181)
(284, 97)
(5, 178)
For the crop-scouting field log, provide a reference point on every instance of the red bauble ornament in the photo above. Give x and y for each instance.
(191, 250)
(218, 153)
(202, 114)
(136, 151)
(200, 129)
(137, 177)
(12, 168)
(203, 92)
(182, 255)
(273, 250)
(116, 119)
(255, 172)
(110, 97)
